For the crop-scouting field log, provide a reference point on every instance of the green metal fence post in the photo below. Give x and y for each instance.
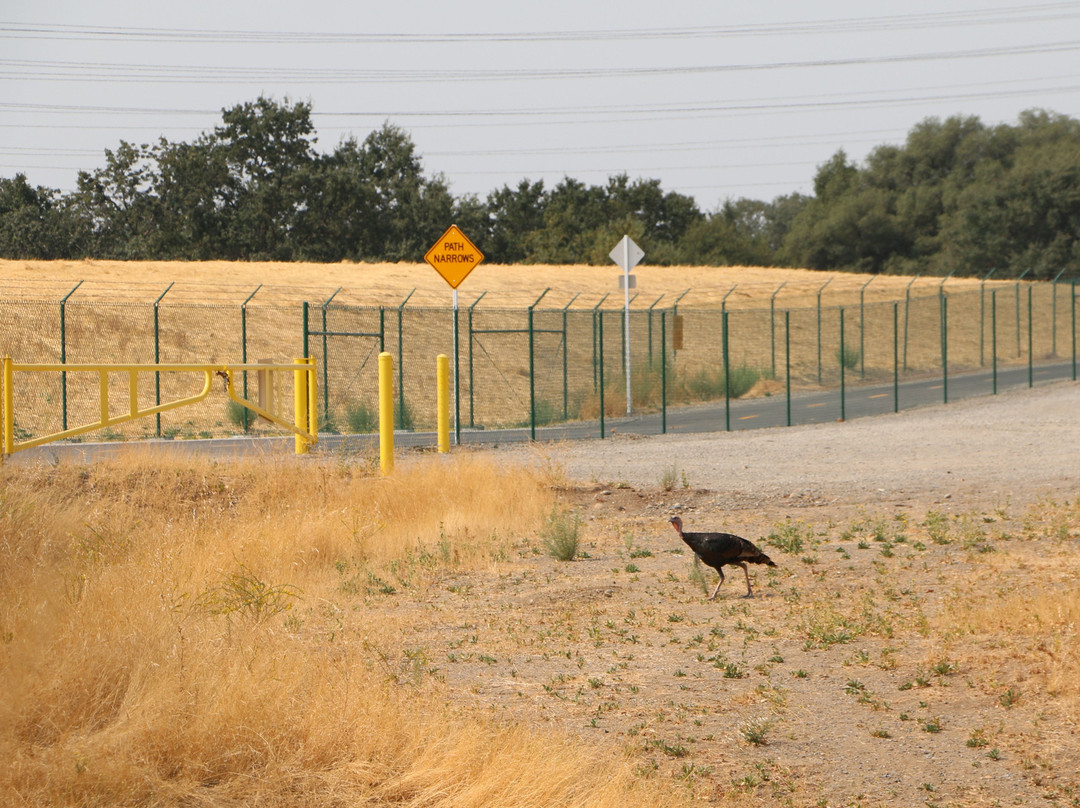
(472, 420)
(63, 351)
(982, 316)
(565, 362)
(304, 324)
(532, 381)
(772, 324)
(862, 329)
(596, 309)
(382, 330)
(457, 372)
(896, 356)
(1053, 313)
(243, 349)
(663, 372)
(600, 325)
(819, 291)
(842, 352)
(400, 361)
(325, 363)
(650, 326)
(787, 360)
(157, 354)
(1031, 352)
(724, 323)
(993, 336)
(532, 368)
(727, 375)
(1073, 309)
(944, 348)
(907, 306)
(1018, 279)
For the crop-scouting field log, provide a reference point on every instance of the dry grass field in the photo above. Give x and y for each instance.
(504, 285)
(176, 631)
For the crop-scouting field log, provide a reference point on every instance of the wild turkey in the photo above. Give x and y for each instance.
(718, 549)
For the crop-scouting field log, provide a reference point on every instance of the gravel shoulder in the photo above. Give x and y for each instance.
(1011, 448)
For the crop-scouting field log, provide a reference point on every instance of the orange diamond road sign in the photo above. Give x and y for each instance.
(453, 256)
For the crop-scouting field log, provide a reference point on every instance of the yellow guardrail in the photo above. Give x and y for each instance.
(304, 426)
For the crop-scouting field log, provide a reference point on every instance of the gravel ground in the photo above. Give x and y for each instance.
(1011, 448)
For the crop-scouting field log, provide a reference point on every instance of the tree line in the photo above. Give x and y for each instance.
(957, 196)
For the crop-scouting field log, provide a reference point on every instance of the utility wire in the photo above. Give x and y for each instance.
(1005, 15)
(32, 70)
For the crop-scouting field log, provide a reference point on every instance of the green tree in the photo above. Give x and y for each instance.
(514, 215)
(265, 147)
(116, 205)
(196, 195)
(572, 213)
(410, 211)
(34, 222)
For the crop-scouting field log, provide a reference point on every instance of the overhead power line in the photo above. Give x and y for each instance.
(34, 70)
(1005, 15)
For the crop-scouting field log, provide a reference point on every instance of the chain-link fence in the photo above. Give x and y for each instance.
(533, 368)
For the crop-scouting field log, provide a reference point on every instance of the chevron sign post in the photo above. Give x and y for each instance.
(627, 255)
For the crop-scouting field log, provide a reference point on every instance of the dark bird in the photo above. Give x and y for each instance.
(718, 549)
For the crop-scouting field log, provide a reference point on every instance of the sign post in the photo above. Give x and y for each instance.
(453, 256)
(627, 255)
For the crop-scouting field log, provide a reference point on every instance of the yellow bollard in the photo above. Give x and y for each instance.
(9, 402)
(442, 400)
(386, 412)
(300, 402)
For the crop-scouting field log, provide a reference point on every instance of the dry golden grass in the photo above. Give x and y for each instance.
(171, 634)
(1022, 607)
(506, 285)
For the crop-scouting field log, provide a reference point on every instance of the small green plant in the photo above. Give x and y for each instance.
(1009, 697)
(403, 415)
(237, 414)
(669, 477)
(562, 535)
(977, 740)
(788, 537)
(848, 357)
(361, 418)
(937, 526)
(708, 384)
(756, 732)
(733, 671)
(932, 725)
(675, 750)
(696, 576)
(944, 668)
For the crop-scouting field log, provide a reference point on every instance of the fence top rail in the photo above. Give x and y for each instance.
(150, 368)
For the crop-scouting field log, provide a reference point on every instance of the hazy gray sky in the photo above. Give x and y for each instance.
(715, 99)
